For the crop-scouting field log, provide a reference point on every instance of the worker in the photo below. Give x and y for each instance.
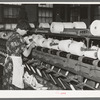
(13, 69)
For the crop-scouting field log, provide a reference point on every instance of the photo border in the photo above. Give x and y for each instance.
(70, 95)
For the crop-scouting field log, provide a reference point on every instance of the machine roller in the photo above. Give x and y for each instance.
(87, 60)
(53, 52)
(78, 65)
(38, 48)
(46, 50)
(86, 65)
(73, 62)
(63, 54)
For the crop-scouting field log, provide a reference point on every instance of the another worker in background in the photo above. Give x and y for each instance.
(13, 69)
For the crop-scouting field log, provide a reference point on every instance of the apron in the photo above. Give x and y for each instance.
(18, 71)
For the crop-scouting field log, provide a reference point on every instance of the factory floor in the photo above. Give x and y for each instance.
(49, 86)
(42, 81)
(45, 83)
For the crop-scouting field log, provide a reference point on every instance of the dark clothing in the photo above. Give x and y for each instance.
(15, 46)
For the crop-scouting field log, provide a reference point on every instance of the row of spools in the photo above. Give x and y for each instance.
(71, 46)
(58, 27)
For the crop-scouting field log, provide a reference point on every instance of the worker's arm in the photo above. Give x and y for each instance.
(28, 49)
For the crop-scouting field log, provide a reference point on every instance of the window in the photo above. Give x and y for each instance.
(96, 13)
(10, 12)
(45, 13)
(74, 15)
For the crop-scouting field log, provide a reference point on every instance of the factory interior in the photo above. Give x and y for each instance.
(66, 55)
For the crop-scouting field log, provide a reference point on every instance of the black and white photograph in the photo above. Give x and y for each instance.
(50, 46)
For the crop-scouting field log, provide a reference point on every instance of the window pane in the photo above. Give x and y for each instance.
(11, 12)
(5, 12)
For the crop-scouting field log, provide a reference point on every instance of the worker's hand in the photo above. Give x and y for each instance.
(31, 45)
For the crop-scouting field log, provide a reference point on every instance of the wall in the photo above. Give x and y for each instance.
(32, 12)
(1, 18)
(59, 12)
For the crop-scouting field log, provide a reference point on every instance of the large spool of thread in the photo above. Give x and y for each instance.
(55, 43)
(44, 25)
(55, 47)
(47, 43)
(35, 39)
(56, 27)
(40, 42)
(77, 48)
(91, 54)
(64, 45)
(79, 25)
(95, 28)
(68, 25)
